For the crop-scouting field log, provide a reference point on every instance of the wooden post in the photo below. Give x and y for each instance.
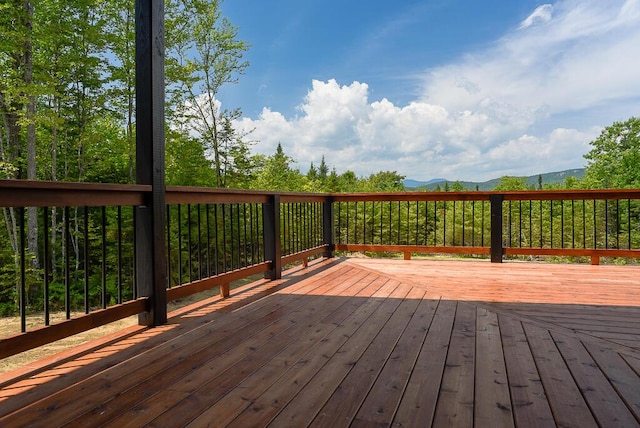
(151, 275)
(225, 290)
(272, 245)
(328, 231)
(496, 228)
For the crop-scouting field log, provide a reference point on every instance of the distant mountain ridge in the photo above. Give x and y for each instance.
(547, 178)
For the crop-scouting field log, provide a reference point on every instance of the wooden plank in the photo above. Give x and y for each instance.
(529, 402)
(345, 338)
(203, 386)
(418, 403)
(412, 249)
(455, 401)
(565, 398)
(304, 407)
(99, 389)
(633, 362)
(303, 255)
(188, 289)
(28, 193)
(383, 400)
(604, 402)
(225, 408)
(348, 397)
(492, 399)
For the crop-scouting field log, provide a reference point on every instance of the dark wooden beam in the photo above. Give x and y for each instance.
(151, 278)
(496, 228)
(272, 244)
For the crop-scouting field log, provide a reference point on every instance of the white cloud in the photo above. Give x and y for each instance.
(542, 14)
(496, 112)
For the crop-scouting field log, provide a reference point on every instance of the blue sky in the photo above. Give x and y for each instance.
(457, 89)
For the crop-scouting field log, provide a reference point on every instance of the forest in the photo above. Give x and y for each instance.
(67, 101)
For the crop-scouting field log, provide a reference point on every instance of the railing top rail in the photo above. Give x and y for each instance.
(29, 193)
(411, 196)
(23, 193)
(184, 194)
(574, 194)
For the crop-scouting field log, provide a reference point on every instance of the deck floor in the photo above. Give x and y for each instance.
(364, 342)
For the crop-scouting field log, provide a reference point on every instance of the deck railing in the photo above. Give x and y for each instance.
(86, 272)
(584, 223)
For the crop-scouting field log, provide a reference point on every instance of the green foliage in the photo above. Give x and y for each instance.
(277, 174)
(384, 181)
(614, 160)
(507, 183)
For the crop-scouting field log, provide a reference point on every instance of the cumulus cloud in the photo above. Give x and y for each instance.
(495, 112)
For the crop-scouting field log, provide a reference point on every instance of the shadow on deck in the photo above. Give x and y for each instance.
(361, 342)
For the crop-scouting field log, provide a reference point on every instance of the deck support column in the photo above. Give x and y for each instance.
(496, 228)
(151, 257)
(328, 231)
(272, 245)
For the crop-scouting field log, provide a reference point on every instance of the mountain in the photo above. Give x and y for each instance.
(412, 184)
(547, 178)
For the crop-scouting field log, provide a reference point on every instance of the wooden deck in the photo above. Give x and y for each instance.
(363, 342)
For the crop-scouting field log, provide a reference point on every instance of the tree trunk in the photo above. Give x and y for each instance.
(32, 213)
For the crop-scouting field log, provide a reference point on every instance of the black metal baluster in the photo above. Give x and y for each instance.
(67, 270)
(85, 257)
(551, 221)
(207, 208)
(573, 224)
(617, 223)
(520, 223)
(216, 247)
(584, 223)
(444, 228)
(606, 224)
(435, 223)
(561, 224)
(595, 233)
(224, 238)
(482, 224)
(179, 244)
(541, 233)
(244, 243)
(104, 258)
(391, 221)
(189, 245)
(415, 240)
(169, 256)
(530, 224)
(47, 265)
(119, 250)
(239, 236)
(629, 224)
(399, 223)
(463, 216)
(199, 220)
(134, 267)
(23, 277)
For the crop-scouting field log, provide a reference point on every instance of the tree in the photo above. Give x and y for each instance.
(507, 183)
(385, 181)
(614, 160)
(203, 54)
(277, 174)
(323, 170)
